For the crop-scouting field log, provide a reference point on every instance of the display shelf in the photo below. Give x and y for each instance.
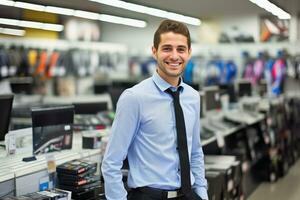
(65, 45)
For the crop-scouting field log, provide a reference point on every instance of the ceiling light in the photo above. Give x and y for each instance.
(76, 13)
(121, 20)
(272, 8)
(32, 24)
(58, 10)
(7, 3)
(87, 15)
(11, 31)
(29, 6)
(150, 11)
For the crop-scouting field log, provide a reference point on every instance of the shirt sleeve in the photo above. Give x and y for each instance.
(124, 128)
(197, 159)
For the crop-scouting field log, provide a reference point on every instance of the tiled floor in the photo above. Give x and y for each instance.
(286, 188)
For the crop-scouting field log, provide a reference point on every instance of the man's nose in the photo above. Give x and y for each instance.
(174, 55)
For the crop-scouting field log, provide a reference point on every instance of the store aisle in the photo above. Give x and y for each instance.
(286, 188)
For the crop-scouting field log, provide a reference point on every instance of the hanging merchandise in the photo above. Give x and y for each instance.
(14, 60)
(52, 64)
(291, 66)
(24, 68)
(258, 68)
(230, 72)
(4, 63)
(42, 63)
(214, 72)
(148, 66)
(297, 67)
(278, 73)
(94, 62)
(32, 59)
(248, 72)
(134, 67)
(268, 74)
(188, 72)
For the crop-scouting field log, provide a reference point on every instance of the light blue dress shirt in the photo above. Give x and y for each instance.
(144, 130)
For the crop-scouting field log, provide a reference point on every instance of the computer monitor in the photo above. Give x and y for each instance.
(244, 88)
(52, 128)
(6, 101)
(195, 86)
(90, 107)
(262, 88)
(101, 88)
(212, 98)
(21, 85)
(117, 89)
(228, 89)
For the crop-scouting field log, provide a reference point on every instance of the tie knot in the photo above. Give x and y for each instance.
(174, 94)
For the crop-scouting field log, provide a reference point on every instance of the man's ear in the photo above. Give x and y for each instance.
(154, 50)
(190, 53)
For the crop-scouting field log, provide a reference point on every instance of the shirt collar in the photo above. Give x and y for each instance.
(164, 85)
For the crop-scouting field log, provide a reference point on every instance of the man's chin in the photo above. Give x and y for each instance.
(174, 74)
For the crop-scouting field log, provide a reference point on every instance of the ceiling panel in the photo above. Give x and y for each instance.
(203, 9)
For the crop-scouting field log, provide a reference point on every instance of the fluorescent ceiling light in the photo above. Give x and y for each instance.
(58, 10)
(29, 6)
(11, 31)
(87, 15)
(76, 13)
(121, 20)
(7, 3)
(150, 11)
(32, 24)
(272, 8)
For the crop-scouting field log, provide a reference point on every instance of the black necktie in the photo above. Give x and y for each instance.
(186, 187)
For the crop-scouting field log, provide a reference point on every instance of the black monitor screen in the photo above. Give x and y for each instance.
(263, 88)
(245, 89)
(228, 89)
(194, 85)
(101, 88)
(90, 107)
(212, 98)
(52, 129)
(6, 102)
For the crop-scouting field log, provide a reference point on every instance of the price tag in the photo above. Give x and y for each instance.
(11, 148)
(220, 139)
(51, 163)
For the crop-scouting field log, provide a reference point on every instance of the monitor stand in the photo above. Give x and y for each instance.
(29, 159)
(2, 144)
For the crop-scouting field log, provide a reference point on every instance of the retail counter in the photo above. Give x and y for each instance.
(19, 177)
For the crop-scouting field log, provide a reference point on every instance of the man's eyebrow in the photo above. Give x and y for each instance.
(179, 46)
(166, 45)
(182, 46)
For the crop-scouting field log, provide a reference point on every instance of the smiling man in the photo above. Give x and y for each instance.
(157, 127)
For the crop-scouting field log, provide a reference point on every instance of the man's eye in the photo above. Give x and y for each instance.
(181, 50)
(166, 49)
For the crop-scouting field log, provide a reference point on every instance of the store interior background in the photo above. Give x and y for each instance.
(124, 51)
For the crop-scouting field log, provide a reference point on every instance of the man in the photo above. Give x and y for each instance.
(146, 125)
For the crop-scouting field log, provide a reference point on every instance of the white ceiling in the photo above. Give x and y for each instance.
(203, 9)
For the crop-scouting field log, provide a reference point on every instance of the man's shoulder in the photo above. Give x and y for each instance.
(142, 87)
(190, 91)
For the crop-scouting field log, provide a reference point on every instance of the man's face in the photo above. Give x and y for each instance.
(172, 55)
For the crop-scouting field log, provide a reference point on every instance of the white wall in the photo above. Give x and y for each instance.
(138, 40)
(248, 24)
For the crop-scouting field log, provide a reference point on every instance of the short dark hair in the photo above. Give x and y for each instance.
(171, 26)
